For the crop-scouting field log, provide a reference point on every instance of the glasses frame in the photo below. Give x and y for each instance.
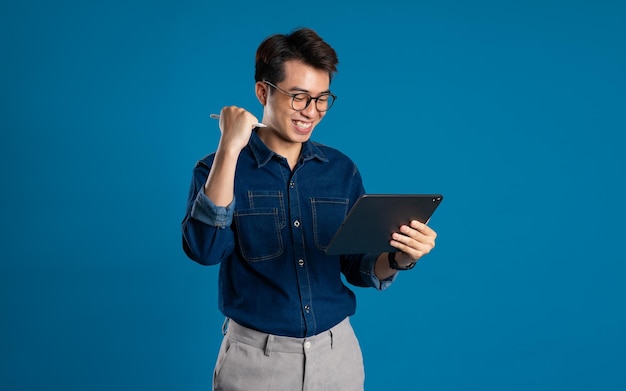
(309, 99)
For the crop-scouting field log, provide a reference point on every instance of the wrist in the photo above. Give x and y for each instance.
(394, 264)
(226, 152)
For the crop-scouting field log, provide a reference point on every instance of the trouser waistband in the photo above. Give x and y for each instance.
(277, 343)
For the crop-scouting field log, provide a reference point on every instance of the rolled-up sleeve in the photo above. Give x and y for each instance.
(206, 211)
(207, 234)
(367, 269)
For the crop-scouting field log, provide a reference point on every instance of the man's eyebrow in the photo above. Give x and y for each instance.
(299, 89)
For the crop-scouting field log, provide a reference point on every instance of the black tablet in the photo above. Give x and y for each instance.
(374, 217)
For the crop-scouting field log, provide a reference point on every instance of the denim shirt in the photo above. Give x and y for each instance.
(274, 274)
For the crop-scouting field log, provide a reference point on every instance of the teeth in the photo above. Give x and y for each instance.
(305, 125)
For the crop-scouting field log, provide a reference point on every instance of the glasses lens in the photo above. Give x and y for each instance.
(324, 102)
(300, 101)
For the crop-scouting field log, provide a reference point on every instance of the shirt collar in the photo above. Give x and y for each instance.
(262, 154)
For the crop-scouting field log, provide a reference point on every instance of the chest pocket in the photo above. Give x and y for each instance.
(258, 227)
(328, 214)
(268, 199)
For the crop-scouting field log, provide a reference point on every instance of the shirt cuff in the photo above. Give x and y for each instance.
(367, 268)
(206, 211)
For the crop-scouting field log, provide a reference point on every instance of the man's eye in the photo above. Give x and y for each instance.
(323, 99)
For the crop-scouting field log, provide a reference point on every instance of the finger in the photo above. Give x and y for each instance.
(236, 114)
(410, 231)
(411, 242)
(410, 245)
(417, 235)
(416, 245)
(423, 228)
(414, 253)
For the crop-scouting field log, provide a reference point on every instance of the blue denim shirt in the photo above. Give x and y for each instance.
(274, 274)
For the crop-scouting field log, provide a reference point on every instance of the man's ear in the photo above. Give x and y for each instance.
(261, 90)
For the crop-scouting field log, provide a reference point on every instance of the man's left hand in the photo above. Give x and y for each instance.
(413, 242)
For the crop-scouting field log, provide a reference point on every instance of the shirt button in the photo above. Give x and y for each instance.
(301, 262)
(296, 223)
(307, 345)
(307, 308)
(292, 185)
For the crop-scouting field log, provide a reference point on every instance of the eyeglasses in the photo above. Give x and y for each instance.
(301, 100)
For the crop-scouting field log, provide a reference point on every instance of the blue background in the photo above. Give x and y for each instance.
(513, 110)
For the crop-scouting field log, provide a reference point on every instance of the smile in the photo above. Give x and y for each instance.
(303, 125)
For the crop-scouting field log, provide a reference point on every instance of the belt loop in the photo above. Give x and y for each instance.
(268, 344)
(331, 338)
(225, 326)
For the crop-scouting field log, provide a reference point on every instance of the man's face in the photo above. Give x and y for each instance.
(289, 125)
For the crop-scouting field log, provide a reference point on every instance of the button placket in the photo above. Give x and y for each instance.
(296, 217)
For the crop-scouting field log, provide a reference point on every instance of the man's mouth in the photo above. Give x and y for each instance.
(303, 125)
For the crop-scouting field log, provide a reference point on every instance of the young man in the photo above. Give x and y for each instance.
(265, 206)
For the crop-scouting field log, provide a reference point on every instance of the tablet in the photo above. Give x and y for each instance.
(374, 217)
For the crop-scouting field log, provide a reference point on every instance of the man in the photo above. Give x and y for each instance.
(265, 206)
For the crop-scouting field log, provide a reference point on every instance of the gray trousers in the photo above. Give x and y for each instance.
(253, 361)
